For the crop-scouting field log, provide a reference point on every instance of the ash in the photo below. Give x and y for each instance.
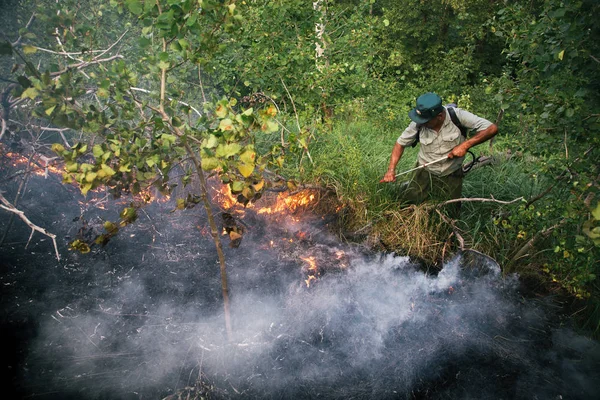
(142, 317)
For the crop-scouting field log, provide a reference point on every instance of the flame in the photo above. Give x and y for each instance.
(288, 203)
(312, 269)
(151, 195)
(225, 198)
(17, 160)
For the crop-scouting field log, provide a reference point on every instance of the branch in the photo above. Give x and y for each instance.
(170, 99)
(9, 207)
(483, 200)
(543, 234)
(86, 64)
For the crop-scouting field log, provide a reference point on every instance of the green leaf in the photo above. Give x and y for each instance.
(90, 176)
(108, 170)
(211, 142)
(30, 93)
(386, 22)
(237, 186)
(596, 212)
(58, 148)
(228, 150)
(50, 110)
(245, 169)
(135, 6)
(226, 125)
(29, 49)
(248, 157)
(97, 151)
(561, 55)
(210, 163)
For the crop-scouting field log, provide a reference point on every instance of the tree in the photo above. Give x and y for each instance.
(134, 106)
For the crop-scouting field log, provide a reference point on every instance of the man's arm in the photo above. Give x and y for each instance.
(480, 137)
(390, 175)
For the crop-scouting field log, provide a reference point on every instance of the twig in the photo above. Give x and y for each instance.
(566, 148)
(9, 207)
(170, 99)
(18, 41)
(461, 240)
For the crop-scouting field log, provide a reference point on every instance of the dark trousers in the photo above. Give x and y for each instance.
(425, 186)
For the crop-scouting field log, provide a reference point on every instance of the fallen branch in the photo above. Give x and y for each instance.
(6, 205)
(482, 200)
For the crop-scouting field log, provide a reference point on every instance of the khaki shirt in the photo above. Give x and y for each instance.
(435, 145)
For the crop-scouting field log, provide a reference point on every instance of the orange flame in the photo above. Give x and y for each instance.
(312, 269)
(19, 161)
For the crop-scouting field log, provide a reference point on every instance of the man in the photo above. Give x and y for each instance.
(439, 137)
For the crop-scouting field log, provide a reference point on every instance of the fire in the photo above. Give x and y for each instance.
(289, 203)
(312, 269)
(225, 197)
(150, 195)
(18, 160)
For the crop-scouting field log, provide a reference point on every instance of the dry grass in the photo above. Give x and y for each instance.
(415, 231)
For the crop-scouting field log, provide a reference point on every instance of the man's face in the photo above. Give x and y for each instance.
(432, 123)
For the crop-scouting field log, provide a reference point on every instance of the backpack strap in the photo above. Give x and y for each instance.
(456, 121)
(418, 136)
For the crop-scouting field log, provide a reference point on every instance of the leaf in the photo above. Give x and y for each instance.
(50, 110)
(108, 170)
(269, 127)
(561, 55)
(237, 186)
(226, 125)
(386, 22)
(596, 212)
(258, 186)
(97, 151)
(163, 65)
(85, 188)
(211, 142)
(30, 93)
(29, 49)
(90, 176)
(245, 169)
(248, 157)
(221, 109)
(125, 168)
(58, 148)
(233, 235)
(228, 150)
(210, 163)
(135, 6)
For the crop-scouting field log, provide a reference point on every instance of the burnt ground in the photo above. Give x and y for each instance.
(142, 317)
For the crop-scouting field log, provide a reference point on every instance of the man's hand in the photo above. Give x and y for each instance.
(458, 151)
(388, 177)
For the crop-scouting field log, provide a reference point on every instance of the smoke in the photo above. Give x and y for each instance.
(143, 318)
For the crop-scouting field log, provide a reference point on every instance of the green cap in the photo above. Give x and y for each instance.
(428, 106)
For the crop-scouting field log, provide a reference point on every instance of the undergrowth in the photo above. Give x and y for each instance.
(527, 236)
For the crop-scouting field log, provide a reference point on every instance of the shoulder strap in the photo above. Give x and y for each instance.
(456, 121)
(417, 137)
